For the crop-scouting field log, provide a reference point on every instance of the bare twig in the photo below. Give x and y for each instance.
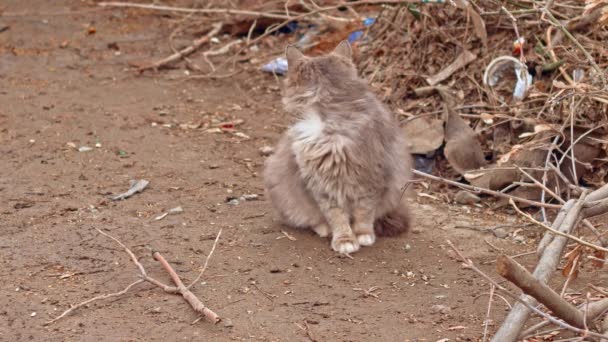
(200, 275)
(567, 33)
(487, 320)
(185, 51)
(485, 191)
(228, 11)
(531, 307)
(194, 302)
(89, 301)
(557, 232)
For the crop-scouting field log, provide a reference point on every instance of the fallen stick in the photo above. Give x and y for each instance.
(89, 301)
(517, 317)
(194, 302)
(460, 62)
(557, 232)
(200, 275)
(227, 11)
(595, 208)
(185, 51)
(485, 191)
(518, 275)
(519, 300)
(594, 310)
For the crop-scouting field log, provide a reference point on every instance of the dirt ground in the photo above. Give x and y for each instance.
(264, 285)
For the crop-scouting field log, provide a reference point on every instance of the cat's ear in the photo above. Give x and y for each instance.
(343, 50)
(293, 55)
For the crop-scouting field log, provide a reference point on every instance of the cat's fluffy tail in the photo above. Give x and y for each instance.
(394, 223)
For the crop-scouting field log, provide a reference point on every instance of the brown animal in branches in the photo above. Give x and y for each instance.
(341, 168)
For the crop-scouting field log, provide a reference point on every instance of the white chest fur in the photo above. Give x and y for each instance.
(308, 130)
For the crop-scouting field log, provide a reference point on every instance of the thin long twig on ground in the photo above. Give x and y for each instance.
(557, 232)
(485, 191)
(89, 301)
(185, 51)
(200, 275)
(194, 302)
(486, 323)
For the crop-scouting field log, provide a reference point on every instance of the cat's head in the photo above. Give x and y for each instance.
(311, 77)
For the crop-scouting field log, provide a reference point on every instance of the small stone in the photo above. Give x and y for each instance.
(33, 314)
(500, 233)
(233, 201)
(519, 239)
(442, 309)
(85, 149)
(176, 210)
(228, 323)
(407, 247)
(266, 150)
(249, 197)
(465, 197)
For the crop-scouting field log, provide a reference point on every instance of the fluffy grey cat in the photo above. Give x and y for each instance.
(340, 170)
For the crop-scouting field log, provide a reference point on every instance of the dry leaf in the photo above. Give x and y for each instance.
(462, 149)
(461, 61)
(424, 134)
(479, 25)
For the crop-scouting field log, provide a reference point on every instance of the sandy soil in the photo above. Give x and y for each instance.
(266, 287)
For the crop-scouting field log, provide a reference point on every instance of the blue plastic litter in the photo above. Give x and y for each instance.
(277, 66)
(358, 34)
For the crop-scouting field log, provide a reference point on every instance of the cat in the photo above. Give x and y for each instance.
(341, 168)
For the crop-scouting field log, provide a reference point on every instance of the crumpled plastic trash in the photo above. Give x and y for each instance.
(358, 34)
(279, 65)
(495, 71)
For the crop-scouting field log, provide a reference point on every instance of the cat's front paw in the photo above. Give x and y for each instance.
(366, 239)
(345, 244)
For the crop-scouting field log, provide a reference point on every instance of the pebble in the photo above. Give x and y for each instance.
(519, 239)
(465, 197)
(442, 309)
(228, 323)
(500, 233)
(176, 210)
(266, 150)
(249, 197)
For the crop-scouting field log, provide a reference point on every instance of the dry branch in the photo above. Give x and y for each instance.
(517, 317)
(228, 11)
(485, 191)
(519, 300)
(89, 301)
(551, 248)
(194, 302)
(518, 275)
(185, 51)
